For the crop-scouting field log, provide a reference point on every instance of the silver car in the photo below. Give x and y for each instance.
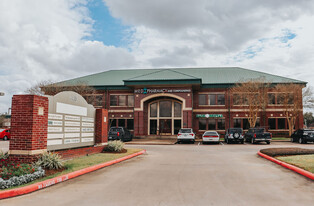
(186, 134)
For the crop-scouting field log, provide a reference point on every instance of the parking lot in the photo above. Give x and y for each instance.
(184, 174)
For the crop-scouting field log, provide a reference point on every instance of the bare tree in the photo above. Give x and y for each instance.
(50, 88)
(290, 97)
(308, 97)
(252, 96)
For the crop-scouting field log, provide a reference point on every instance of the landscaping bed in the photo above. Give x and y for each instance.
(274, 152)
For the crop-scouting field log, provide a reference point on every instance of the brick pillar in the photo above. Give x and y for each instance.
(29, 124)
(102, 120)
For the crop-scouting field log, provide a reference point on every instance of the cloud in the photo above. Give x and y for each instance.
(45, 40)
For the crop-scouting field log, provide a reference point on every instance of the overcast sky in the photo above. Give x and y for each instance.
(62, 39)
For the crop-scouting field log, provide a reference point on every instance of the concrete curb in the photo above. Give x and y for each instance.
(62, 178)
(288, 166)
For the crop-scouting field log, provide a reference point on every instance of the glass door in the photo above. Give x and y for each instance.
(165, 126)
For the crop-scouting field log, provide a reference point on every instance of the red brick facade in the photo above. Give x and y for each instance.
(29, 127)
(101, 127)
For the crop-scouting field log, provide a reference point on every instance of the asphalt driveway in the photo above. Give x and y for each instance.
(183, 175)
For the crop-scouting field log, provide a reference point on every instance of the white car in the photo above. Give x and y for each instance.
(210, 136)
(186, 134)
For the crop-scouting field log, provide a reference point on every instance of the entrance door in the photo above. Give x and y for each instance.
(153, 126)
(177, 125)
(165, 126)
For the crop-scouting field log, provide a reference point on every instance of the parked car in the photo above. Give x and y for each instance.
(234, 135)
(254, 135)
(5, 134)
(186, 134)
(303, 136)
(119, 133)
(210, 136)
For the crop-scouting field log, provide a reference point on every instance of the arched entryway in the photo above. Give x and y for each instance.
(164, 116)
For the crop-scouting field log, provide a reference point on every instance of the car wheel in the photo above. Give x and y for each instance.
(300, 140)
(267, 142)
(242, 141)
(291, 139)
(252, 141)
(5, 138)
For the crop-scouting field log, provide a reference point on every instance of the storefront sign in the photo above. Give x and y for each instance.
(151, 91)
(209, 115)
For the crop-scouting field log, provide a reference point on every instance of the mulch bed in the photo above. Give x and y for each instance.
(51, 172)
(122, 151)
(273, 152)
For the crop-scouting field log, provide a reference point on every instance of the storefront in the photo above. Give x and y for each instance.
(158, 102)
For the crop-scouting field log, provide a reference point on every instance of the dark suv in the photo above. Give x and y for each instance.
(303, 136)
(234, 135)
(119, 133)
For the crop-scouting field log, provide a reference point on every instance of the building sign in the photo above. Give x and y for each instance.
(209, 115)
(71, 121)
(152, 91)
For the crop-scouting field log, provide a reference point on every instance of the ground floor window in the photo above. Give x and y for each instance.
(211, 124)
(127, 123)
(277, 123)
(244, 123)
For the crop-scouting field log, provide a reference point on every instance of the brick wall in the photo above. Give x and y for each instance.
(101, 133)
(29, 126)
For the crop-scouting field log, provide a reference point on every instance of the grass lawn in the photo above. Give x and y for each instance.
(83, 162)
(305, 162)
(281, 138)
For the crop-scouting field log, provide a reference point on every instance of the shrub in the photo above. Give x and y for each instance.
(16, 181)
(286, 151)
(3, 155)
(114, 146)
(49, 160)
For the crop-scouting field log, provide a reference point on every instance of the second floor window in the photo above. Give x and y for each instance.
(211, 99)
(122, 100)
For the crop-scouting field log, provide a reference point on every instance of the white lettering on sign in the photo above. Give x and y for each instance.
(87, 129)
(67, 135)
(149, 91)
(54, 129)
(87, 134)
(87, 139)
(55, 116)
(54, 123)
(71, 141)
(71, 109)
(87, 124)
(54, 142)
(75, 124)
(72, 129)
(55, 136)
(72, 118)
(87, 119)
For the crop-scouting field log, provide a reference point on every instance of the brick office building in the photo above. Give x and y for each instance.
(161, 101)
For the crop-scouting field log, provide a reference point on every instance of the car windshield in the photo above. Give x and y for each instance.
(115, 129)
(185, 131)
(210, 133)
(236, 130)
(1, 130)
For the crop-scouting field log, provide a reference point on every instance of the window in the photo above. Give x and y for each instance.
(246, 124)
(212, 99)
(281, 123)
(113, 100)
(121, 122)
(130, 124)
(211, 124)
(153, 110)
(202, 124)
(220, 99)
(202, 99)
(165, 108)
(122, 100)
(280, 98)
(221, 124)
(236, 99)
(272, 123)
(113, 123)
(237, 123)
(271, 98)
(131, 100)
(177, 109)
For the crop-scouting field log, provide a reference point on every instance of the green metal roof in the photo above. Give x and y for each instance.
(206, 76)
